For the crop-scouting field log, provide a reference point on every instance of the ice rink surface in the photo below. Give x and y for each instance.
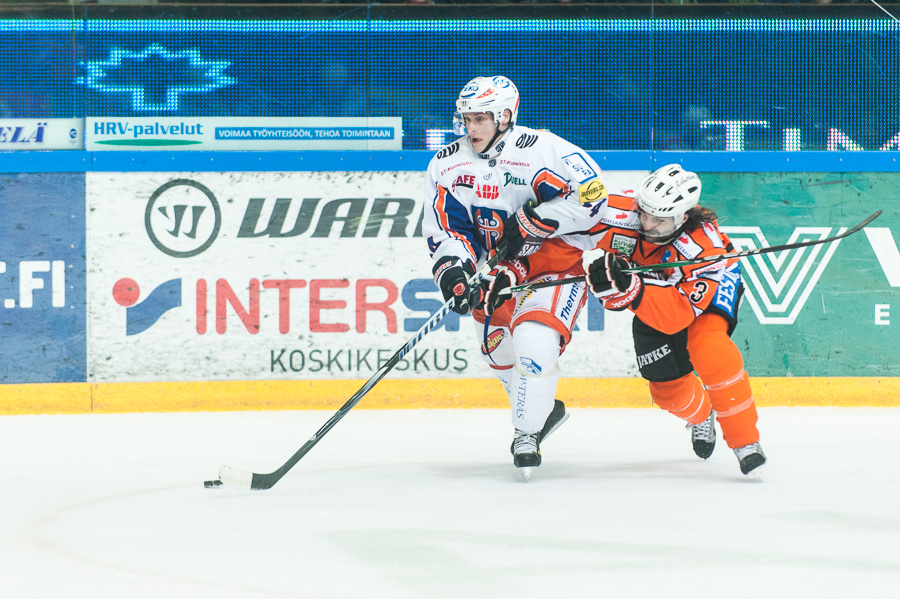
(426, 504)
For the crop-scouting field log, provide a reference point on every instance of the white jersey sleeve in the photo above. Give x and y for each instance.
(568, 187)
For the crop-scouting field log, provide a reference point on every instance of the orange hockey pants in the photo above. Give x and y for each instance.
(725, 385)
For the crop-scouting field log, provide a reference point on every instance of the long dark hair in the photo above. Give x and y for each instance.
(697, 216)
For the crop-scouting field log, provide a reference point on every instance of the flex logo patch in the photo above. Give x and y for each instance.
(778, 284)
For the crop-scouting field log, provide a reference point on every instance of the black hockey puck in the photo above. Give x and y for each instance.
(211, 483)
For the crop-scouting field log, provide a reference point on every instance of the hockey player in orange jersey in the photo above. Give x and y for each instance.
(684, 316)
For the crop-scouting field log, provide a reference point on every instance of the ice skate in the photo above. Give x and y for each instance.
(751, 457)
(557, 416)
(526, 452)
(703, 436)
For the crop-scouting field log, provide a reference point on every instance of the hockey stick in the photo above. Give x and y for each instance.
(716, 258)
(251, 480)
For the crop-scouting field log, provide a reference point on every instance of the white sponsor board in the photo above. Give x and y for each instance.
(243, 133)
(249, 276)
(41, 134)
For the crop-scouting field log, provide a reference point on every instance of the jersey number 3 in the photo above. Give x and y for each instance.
(700, 289)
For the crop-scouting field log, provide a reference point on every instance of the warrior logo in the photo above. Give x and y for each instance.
(182, 218)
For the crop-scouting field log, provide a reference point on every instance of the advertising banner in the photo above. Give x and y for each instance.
(231, 276)
(243, 133)
(42, 278)
(826, 310)
(221, 276)
(41, 134)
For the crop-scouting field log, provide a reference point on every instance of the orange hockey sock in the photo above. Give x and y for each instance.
(684, 397)
(720, 365)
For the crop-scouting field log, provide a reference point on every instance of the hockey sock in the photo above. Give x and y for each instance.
(720, 365)
(683, 397)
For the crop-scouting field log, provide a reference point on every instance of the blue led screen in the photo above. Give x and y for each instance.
(605, 84)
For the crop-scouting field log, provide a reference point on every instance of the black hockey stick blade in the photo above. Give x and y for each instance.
(259, 482)
(241, 479)
(716, 258)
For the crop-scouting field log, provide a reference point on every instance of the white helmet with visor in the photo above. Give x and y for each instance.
(667, 193)
(486, 94)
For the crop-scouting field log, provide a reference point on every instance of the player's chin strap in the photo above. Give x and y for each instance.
(497, 135)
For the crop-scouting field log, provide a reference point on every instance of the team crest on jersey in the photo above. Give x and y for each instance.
(490, 225)
(622, 244)
(592, 192)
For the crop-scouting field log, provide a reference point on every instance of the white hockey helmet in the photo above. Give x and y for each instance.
(669, 192)
(486, 94)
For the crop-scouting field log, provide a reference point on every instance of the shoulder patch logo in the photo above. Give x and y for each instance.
(526, 140)
(448, 151)
(580, 167)
(592, 192)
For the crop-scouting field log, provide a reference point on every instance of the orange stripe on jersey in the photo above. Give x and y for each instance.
(621, 202)
(441, 205)
(550, 179)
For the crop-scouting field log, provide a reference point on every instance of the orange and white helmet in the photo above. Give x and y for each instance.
(486, 94)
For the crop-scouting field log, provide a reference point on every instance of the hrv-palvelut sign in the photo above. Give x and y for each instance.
(243, 133)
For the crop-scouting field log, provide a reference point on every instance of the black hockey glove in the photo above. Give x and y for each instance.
(524, 232)
(503, 278)
(606, 280)
(452, 277)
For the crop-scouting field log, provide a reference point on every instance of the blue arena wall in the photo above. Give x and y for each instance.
(417, 160)
(631, 83)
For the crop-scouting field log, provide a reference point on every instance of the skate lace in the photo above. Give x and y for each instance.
(701, 431)
(742, 452)
(525, 443)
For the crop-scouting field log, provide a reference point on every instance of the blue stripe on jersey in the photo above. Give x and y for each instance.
(460, 225)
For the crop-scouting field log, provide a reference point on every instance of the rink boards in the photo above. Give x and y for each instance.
(212, 290)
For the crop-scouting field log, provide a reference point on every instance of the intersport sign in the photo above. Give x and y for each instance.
(318, 274)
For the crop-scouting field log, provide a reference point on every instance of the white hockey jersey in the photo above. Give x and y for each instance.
(469, 195)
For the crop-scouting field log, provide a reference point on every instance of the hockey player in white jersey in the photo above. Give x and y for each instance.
(532, 194)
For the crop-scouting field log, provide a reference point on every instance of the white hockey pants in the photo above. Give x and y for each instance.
(526, 364)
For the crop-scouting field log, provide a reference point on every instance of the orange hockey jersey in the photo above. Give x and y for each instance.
(673, 297)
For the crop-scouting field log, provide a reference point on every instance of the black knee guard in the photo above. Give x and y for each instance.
(660, 357)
